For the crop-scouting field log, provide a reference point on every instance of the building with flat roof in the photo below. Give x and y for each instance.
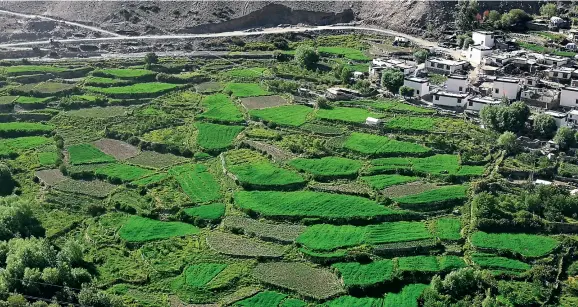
(420, 86)
(506, 87)
(447, 99)
(477, 103)
(444, 66)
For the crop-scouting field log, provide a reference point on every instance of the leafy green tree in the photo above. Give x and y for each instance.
(306, 56)
(322, 103)
(95, 298)
(548, 10)
(466, 15)
(6, 181)
(392, 79)
(406, 91)
(565, 138)
(544, 126)
(151, 58)
(508, 142)
(345, 75)
(494, 17)
(505, 117)
(363, 86)
(467, 42)
(17, 219)
(421, 55)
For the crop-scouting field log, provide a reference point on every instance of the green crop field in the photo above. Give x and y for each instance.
(122, 172)
(393, 106)
(265, 175)
(250, 73)
(23, 129)
(291, 115)
(207, 212)
(198, 275)
(32, 69)
(370, 144)
(437, 165)
(406, 298)
(220, 108)
(411, 123)
(354, 301)
(134, 90)
(266, 298)
(216, 137)
(104, 81)
(124, 73)
(356, 274)
(447, 228)
(494, 262)
(524, 244)
(140, 229)
(350, 115)
(304, 204)
(151, 180)
(429, 263)
(328, 166)
(9, 147)
(350, 53)
(380, 182)
(441, 194)
(32, 100)
(87, 154)
(245, 89)
(197, 182)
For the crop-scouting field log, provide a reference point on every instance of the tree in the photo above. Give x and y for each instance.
(565, 138)
(392, 79)
(508, 142)
(548, 10)
(494, 18)
(406, 91)
(95, 298)
(345, 75)
(151, 58)
(544, 126)
(466, 15)
(363, 86)
(6, 181)
(306, 56)
(322, 103)
(467, 42)
(17, 219)
(505, 117)
(421, 55)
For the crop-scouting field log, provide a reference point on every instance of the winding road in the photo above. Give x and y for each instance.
(116, 37)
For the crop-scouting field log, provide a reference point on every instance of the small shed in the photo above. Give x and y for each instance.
(543, 182)
(371, 121)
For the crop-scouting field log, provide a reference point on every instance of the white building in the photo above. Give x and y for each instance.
(508, 87)
(554, 60)
(378, 65)
(443, 66)
(371, 121)
(559, 118)
(560, 73)
(447, 99)
(572, 118)
(477, 103)
(420, 86)
(476, 53)
(541, 97)
(483, 38)
(569, 97)
(457, 84)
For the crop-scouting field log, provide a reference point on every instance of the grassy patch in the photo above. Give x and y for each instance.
(411, 123)
(380, 182)
(328, 166)
(197, 182)
(305, 204)
(32, 100)
(122, 172)
(23, 129)
(447, 228)
(216, 137)
(380, 145)
(350, 53)
(441, 194)
(348, 115)
(140, 229)
(266, 298)
(525, 244)
(210, 212)
(87, 154)
(253, 72)
(361, 275)
(245, 89)
(125, 73)
(291, 115)
(12, 147)
(265, 174)
(134, 90)
(219, 107)
(200, 274)
(407, 297)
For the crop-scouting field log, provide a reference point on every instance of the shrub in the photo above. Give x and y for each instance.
(392, 79)
(306, 57)
(406, 91)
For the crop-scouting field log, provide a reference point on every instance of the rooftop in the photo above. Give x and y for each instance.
(484, 32)
(573, 112)
(446, 61)
(418, 80)
(450, 94)
(459, 77)
(484, 100)
(481, 47)
(508, 80)
(555, 114)
(573, 89)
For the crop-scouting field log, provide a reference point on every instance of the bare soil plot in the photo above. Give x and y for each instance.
(233, 245)
(284, 233)
(94, 188)
(50, 177)
(209, 87)
(156, 160)
(409, 189)
(118, 149)
(301, 278)
(263, 102)
(276, 153)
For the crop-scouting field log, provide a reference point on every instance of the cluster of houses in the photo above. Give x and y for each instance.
(489, 73)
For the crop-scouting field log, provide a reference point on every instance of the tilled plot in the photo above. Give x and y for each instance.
(263, 102)
(50, 177)
(118, 149)
(233, 245)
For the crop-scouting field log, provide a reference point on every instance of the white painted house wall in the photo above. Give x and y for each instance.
(420, 86)
(456, 85)
(477, 103)
(569, 97)
(505, 88)
(483, 38)
(449, 99)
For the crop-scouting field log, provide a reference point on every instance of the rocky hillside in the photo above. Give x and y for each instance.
(215, 16)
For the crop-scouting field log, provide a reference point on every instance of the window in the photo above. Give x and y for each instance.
(576, 101)
(432, 64)
(441, 65)
(417, 92)
(560, 75)
(497, 91)
(470, 103)
(438, 97)
(459, 100)
(461, 89)
(564, 75)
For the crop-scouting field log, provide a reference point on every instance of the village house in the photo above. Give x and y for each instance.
(457, 84)
(569, 97)
(477, 103)
(554, 60)
(572, 119)
(560, 74)
(378, 65)
(341, 93)
(447, 99)
(371, 121)
(541, 97)
(420, 86)
(476, 53)
(506, 87)
(444, 66)
(483, 38)
(559, 118)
